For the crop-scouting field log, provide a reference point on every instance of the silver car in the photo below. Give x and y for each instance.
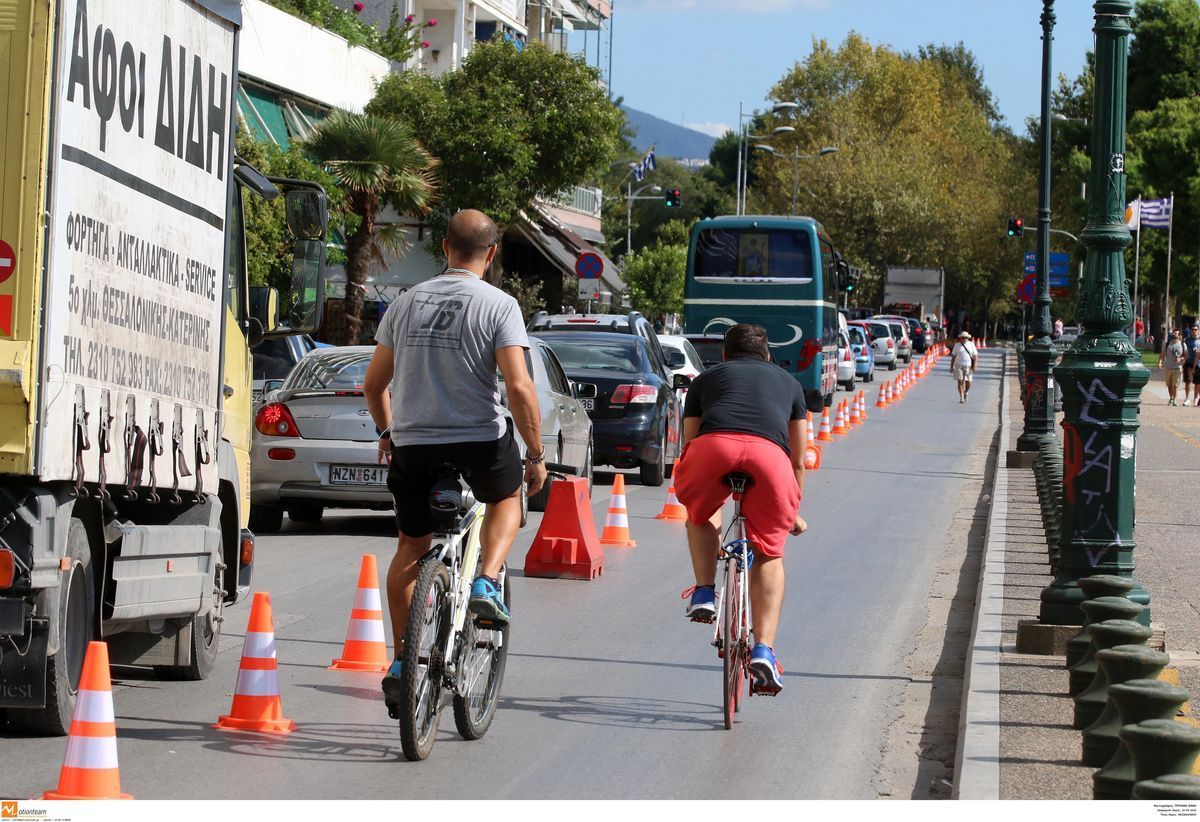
(884, 342)
(274, 360)
(314, 443)
(904, 349)
(845, 362)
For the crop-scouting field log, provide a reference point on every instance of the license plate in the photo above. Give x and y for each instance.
(358, 475)
(256, 395)
(588, 404)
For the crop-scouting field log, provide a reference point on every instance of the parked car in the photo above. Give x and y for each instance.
(275, 358)
(845, 362)
(566, 426)
(631, 323)
(864, 353)
(314, 443)
(904, 349)
(882, 341)
(710, 347)
(682, 358)
(635, 415)
(917, 332)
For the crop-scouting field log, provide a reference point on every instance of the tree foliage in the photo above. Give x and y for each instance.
(1164, 55)
(702, 198)
(654, 277)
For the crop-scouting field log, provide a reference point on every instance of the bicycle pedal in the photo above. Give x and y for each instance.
(704, 619)
(393, 712)
(764, 690)
(489, 624)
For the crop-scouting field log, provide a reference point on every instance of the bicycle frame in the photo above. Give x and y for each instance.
(735, 550)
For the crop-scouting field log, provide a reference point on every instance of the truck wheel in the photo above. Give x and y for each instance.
(266, 519)
(206, 639)
(76, 628)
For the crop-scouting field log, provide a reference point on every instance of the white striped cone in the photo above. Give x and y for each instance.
(256, 702)
(616, 523)
(89, 769)
(366, 646)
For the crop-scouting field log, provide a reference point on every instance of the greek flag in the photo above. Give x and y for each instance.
(644, 166)
(1156, 213)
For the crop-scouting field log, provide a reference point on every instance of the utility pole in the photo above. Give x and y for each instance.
(1102, 374)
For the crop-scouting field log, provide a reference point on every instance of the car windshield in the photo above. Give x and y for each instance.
(880, 330)
(340, 371)
(857, 335)
(273, 359)
(597, 356)
(710, 351)
(898, 328)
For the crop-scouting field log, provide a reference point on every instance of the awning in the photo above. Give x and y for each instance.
(590, 234)
(274, 116)
(562, 246)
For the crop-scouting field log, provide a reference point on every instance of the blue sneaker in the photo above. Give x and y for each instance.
(765, 671)
(703, 605)
(487, 602)
(391, 689)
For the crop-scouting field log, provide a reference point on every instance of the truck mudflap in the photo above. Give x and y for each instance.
(164, 571)
(23, 666)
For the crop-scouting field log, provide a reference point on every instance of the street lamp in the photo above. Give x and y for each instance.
(630, 196)
(742, 159)
(796, 158)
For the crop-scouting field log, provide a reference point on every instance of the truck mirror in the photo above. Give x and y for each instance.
(254, 332)
(307, 213)
(264, 307)
(308, 286)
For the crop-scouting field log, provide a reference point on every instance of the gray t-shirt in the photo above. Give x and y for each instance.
(445, 333)
(1173, 354)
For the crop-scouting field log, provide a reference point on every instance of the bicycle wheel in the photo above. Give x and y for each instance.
(421, 683)
(486, 653)
(732, 641)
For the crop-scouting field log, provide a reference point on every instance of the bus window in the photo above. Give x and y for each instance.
(754, 253)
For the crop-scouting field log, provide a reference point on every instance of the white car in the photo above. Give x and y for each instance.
(845, 362)
(682, 357)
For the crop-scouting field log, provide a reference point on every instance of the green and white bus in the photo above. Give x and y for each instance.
(782, 273)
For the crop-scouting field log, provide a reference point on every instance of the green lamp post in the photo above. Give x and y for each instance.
(1101, 375)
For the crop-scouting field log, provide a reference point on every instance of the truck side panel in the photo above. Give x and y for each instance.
(24, 94)
(132, 348)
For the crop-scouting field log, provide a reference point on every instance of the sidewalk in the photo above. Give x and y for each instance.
(1016, 737)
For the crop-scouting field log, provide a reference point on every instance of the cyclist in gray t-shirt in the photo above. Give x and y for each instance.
(439, 347)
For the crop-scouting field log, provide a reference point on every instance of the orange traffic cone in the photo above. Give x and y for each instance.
(616, 524)
(881, 402)
(854, 420)
(812, 451)
(672, 511)
(89, 769)
(824, 432)
(862, 405)
(365, 648)
(256, 703)
(839, 420)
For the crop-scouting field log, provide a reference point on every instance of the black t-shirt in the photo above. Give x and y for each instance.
(746, 395)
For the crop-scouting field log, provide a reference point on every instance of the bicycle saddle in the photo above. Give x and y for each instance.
(738, 477)
(446, 495)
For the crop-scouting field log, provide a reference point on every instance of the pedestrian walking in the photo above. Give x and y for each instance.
(1058, 329)
(1191, 348)
(1171, 360)
(964, 358)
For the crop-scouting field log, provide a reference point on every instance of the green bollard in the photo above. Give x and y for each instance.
(1135, 701)
(1107, 634)
(1097, 611)
(1118, 665)
(1095, 587)
(1160, 747)
(1171, 786)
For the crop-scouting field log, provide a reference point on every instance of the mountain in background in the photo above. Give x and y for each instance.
(669, 139)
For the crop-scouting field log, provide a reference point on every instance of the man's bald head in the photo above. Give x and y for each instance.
(470, 236)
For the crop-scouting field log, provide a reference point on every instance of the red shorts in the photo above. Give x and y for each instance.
(769, 506)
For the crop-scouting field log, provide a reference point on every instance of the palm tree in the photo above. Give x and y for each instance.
(379, 163)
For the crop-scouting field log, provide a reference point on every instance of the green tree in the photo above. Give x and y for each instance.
(377, 162)
(960, 63)
(1164, 55)
(702, 198)
(654, 277)
(510, 126)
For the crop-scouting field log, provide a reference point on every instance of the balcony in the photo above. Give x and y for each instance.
(580, 200)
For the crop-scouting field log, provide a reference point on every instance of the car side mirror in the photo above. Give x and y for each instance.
(676, 359)
(681, 381)
(272, 385)
(584, 391)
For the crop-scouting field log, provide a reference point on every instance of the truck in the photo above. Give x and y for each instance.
(126, 325)
(921, 289)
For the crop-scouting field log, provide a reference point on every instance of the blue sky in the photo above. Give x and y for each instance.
(691, 61)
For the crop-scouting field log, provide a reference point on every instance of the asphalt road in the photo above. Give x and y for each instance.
(610, 692)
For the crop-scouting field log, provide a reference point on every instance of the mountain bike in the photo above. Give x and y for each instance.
(732, 626)
(447, 649)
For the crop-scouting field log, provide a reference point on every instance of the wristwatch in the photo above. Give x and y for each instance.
(538, 459)
(385, 434)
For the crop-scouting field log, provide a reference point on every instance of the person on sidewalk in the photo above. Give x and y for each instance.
(964, 358)
(1191, 344)
(1171, 361)
(744, 414)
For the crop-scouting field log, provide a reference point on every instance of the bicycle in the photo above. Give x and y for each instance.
(732, 624)
(444, 650)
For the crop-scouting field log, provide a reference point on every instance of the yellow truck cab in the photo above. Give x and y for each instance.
(126, 323)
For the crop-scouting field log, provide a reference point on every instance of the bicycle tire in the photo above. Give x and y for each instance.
(473, 720)
(733, 669)
(421, 682)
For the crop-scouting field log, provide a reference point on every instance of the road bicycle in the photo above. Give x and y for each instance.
(447, 649)
(732, 624)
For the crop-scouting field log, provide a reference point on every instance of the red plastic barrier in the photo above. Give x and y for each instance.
(566, 544)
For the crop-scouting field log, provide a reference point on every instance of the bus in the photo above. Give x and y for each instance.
(782, 273)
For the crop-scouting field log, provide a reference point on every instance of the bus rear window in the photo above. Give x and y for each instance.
(755, 254)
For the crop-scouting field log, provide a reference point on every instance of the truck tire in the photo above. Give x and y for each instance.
(266, 519)
(206, 639)
(76, 628)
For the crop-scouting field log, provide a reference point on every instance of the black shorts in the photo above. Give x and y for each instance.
(1188, 374)
(492, 469)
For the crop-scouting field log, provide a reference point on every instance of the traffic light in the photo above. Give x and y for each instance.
(673, 198)
(852, 279)
(1016, 227)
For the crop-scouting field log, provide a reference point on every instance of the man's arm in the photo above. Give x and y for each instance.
(691, 429)
(523, 403)
(375, 389)
(798, 444)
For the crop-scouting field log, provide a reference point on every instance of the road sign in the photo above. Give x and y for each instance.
(1026, 289)
(590, 290)
(1060, 280)
(1059, 263)
(8, 261)
(589, 266)
(1060, 292)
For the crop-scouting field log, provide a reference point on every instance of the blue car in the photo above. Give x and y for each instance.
(864, 354)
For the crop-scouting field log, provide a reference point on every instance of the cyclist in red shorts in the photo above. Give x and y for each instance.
(744, 415)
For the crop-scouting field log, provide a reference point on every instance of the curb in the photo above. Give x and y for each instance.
(977, 761)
